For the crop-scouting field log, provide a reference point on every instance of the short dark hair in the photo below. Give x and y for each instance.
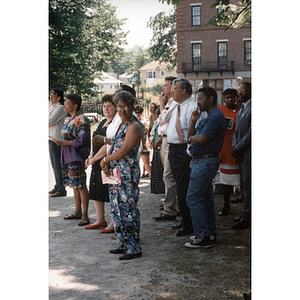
(128, 88)
(139, 109)
(170, 78)
(230, 91)
(108, 98)
(75, 99)
(155, 105)
(208, 92)
(126, 97)
(60, 93)
(184, 85)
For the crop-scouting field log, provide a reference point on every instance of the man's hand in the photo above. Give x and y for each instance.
(239, 156)
(195, 115)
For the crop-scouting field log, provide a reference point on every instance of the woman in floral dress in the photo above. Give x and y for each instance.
(125, 195)
(75, 148)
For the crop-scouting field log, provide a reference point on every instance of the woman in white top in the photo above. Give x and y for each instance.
(56, 121)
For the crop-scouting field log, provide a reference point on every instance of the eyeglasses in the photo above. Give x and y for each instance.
(138, 113)
(125, 107)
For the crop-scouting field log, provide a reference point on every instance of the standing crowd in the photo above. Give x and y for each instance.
(191, 141)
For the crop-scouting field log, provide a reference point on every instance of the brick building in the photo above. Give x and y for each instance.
(210, 57)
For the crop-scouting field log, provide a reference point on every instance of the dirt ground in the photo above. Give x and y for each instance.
(81, 267)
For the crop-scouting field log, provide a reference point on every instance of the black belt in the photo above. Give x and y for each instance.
(204, 156)
(164, 135)
(177, 145)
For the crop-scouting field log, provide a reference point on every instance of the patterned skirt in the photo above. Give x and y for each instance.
(74, 174)
(157, 171)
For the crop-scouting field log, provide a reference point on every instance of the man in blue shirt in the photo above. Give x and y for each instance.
(206, 143)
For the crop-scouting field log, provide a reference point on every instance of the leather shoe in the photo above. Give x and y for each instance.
(107, 230)
(240, 225)
(130, 256)
(95, 226)
(52, 191)
(224, 212)
(183, 231)
(164, 217)
(176, 226)
(58, 194)
(117, 251)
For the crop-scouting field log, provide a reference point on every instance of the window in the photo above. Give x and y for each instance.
(222, 55)
(196, 15)
(149, 75)
(162, 73)
(247, 51)
(196, 51)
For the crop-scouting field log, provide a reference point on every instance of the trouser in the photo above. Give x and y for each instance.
(170, 204)
(54, 151)
(245, 171)
(200, 195)
(179, 162)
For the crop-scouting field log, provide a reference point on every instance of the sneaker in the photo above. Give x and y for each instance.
(212, 237)
(200, 243)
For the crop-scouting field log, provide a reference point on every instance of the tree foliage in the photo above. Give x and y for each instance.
(163, 45)
(231, 15)
(84, 35)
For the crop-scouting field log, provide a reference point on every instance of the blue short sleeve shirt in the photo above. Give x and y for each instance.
(213, 126)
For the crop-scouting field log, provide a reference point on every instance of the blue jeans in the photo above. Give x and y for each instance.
(200, 195)
(56, 166)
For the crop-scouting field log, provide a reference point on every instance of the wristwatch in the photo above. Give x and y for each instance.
(190, 140)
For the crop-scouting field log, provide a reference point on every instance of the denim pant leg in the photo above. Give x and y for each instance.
(56, 166)
(200, 195)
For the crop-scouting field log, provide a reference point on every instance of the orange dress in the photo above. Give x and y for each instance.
(229, 169)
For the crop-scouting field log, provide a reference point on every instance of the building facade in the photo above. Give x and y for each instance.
(153, 72)
(210, 56)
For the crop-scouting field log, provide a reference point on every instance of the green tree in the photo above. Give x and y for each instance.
(84, 35)
(173, 2)
(163, 45)
(231, 15)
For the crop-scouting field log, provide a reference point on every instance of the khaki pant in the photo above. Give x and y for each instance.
(170, 205)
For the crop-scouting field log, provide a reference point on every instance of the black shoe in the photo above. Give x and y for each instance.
(240, 225)
(224, 212)
(237, 200)
(117, 251)
(183, 231)
(237, 219)
(247, 296)
(130, 256)
(176, 226)
(164, 217)
(204, 242)
(212, 237)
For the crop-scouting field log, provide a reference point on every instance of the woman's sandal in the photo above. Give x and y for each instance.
(84, 221)
(72, 216)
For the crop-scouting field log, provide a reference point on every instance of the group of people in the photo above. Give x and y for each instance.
(198, 138)
(190, 139)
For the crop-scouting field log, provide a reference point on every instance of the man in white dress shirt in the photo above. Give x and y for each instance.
(177, 135)
(56, 121)
(170, 203)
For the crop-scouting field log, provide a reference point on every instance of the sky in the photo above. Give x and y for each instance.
(138, 13)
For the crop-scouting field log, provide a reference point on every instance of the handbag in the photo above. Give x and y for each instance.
(114, 176)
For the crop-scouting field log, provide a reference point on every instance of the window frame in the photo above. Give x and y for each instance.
(193, 57)
(195, 16)
(248, 61)
(219, 61)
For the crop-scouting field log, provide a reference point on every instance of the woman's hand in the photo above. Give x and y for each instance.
(59, 142)
(98, 140)
(157, 144)
(89, 162)
(104, 167)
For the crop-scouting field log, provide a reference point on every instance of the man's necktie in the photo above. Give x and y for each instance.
(177, 125)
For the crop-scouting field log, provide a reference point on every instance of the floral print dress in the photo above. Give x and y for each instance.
(77, 129)
(125, 195)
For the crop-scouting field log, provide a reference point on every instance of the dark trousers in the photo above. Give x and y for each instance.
(180, 167)
(245, 173)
